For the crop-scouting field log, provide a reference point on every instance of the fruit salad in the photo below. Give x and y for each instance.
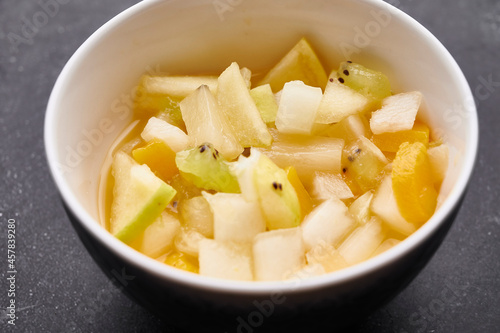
(295, 173)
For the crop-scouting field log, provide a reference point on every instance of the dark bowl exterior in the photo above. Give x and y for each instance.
(198, 310)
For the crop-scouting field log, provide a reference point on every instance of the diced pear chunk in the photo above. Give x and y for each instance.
(205, 122)
(235, 219)
(239, 108)
(327, 256)
(298, 108)
(328, 185)
(196, 214)
(339, 102)
(384, 206)
(176, 86)
(159, 236)
(306, 272)
(225, 261)
(438, 158)
(349, 129)
(171, 135)
(398, 113)
(362, 242)
(188, 241)
(386, 245)
(328, 223)
(277, 254)
(360, 208)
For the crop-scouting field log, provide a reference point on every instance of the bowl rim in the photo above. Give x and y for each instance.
(171, 274)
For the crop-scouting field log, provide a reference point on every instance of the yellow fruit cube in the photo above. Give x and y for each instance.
(306, 204)
(183, 261)
(159, 157)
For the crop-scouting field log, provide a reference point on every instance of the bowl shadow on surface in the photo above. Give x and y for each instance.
(333, 314)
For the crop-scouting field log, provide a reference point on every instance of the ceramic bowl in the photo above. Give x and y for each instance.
(91, 105)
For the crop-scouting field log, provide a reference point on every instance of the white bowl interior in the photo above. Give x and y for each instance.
(90, 104)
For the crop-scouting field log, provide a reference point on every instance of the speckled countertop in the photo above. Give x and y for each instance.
(60, 288)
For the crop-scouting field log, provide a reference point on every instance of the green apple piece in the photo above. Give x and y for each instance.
(159, 236)
(266, 102)
(339, 102)
(239, 108)
(277, 254)
(225, 260)
(263, 181)
(363, 241)
(205, 122)
(372, 84)
(298, 108)
(300, 63)
(139, 197)
(207, 169)
(235, 219)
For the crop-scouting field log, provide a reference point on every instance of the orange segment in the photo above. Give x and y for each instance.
(158, 157)
(390, 142)
(182, 261)
(306, 204)
(412, 183)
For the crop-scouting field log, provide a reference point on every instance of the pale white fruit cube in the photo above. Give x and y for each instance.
(326, 185)
(438, 158)
(339, 102)
(386, 245)
(328, 223)
(243, 169)
(177, 86)
(384, 205)
(240, 110)
(306, 272)
(363, 241)
(235, 219)
(298, 108)
(327, 256)
(360, 208)
(188, 241)
(159, 236)
(171, 135)
(205, 122)
(225, 261)
(349, 129)
(196, 214)
(246, 74)
(398, 113)
(277, 254)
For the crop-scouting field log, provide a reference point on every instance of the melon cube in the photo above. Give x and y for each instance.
(171, 135)
(205, 122)
(360, 208)
(235, 219)
(159, 237)
(398, 113)
(349, 129)
(240, 110)
(328, 223)
(306, 272)
(326, 185)
(339, 102)
(196, 214)
(298, 108)
(384, 205)
(188, 242)
(363, 241)
(327, 256)
(225, 261)
(277, 254)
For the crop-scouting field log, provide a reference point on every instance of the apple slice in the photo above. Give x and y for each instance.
(326, 185)
(173, 136)
(438, 159)
(328, 223)
(360, 208)
(349, 129)
(139, 197)
(300, 63)
(363, 241)
(225, 261)
(327, 256)
(384, 206)
(339, 102)
(266, 102)
(277, 254)
(239, 108)
(205, 122)
(386, 245)
(177, 87)
(235, 219)
(398, 113)
(159, 236)
(196, 214)
(298, 108)
(188, 242)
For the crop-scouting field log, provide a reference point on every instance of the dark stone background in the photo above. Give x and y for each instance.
(60, 288)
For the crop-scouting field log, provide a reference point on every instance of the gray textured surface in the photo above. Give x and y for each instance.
(60, 289)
